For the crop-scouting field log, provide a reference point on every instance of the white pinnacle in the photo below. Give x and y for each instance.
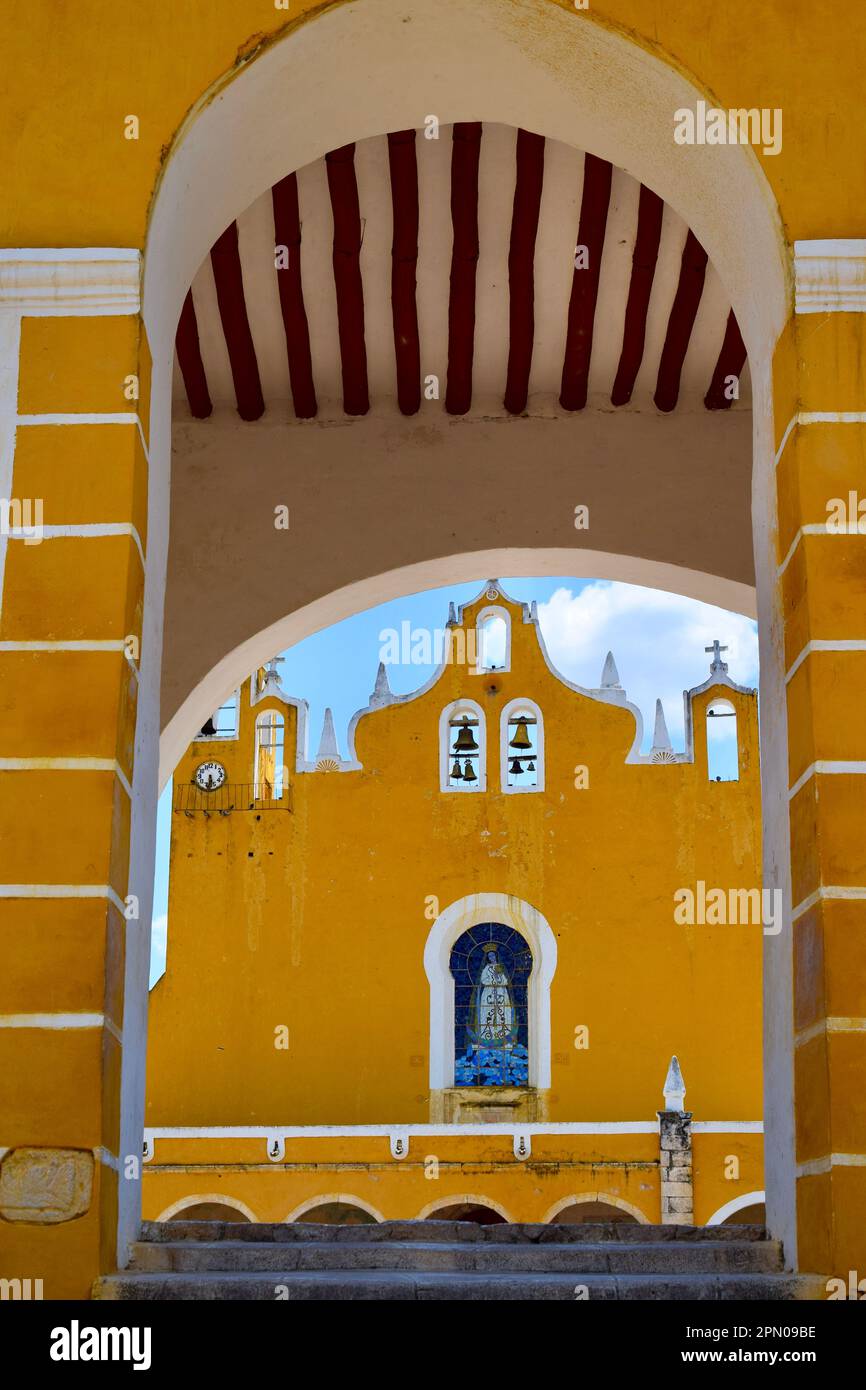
(675, 1087)
(610, 675)
(328, 742)
(661, 738)
(381, 691)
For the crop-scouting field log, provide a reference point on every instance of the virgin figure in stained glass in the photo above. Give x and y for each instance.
(491, 964)
(493, 1019)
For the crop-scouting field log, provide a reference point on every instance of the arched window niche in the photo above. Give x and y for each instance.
(462, 748)
(270, 756)
(493, 640)
(490, 965)
(451, 925)
(723, 754)
(521, 747)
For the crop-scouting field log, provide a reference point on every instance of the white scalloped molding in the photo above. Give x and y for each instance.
(71, 280)
(830, 276)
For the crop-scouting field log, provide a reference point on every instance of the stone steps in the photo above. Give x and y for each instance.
(453, 1260)
(343, 1285)
(245, 1257)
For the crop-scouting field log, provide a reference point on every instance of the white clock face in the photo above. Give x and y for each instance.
(209, 776)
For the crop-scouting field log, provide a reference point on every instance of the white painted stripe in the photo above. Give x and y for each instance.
(823, 767)
(83, 531)
(789, 429)
(67, 765)
(62, 890)
(819, 417)
(815, 1166)
(828, 893)
(54, 1021)
(820, 644)
(107, 1158)
(111, 644)
(442, 1131)
(829, 1025)
(813, 528)
(84, 417)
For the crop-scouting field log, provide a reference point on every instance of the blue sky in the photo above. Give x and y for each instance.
(657, 639)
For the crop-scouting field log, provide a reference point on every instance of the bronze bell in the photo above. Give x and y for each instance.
(456, 771)
(521, 735)
(469, 772)
(465, 742)
(530, 766)
(515, 768)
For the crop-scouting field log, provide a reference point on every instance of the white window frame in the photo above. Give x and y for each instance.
(504, 757)
(494, 610)
(454, 710)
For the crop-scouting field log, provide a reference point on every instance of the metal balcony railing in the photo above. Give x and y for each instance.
(222, 801)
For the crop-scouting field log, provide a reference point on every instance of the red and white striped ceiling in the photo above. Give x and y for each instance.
(455, 257)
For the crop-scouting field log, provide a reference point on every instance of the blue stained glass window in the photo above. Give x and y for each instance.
(491, 965)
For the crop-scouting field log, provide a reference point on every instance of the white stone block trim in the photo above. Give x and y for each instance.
(818, 417)
(115, 417)
(816, 1166)
(830, 276)
(829, 1025)
(748, 1199)
(826, 768)
(63, 890)
(69, 280)
(67, 765)
(60, 1022)
(828, 891)
(82, 531)
(821, 644)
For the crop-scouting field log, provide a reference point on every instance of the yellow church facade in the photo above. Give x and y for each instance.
(452, 969)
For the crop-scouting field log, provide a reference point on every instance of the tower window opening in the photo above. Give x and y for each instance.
(722, 746)
(492, 643)
(223, 723)
(463, 752)
(270, 747)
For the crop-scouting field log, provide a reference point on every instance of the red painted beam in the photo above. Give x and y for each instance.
(465, 156)
(732, 359)
(287, 229)
(189, 360)
(343, 187)
(521, 267)
(693, 269)
(226, 262)
(597, 176)
(643, 269)
(404, 263)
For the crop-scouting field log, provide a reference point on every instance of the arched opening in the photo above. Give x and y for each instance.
(209, 1211)
(336, 1214)
(475, 1212)
(521, 747)
(492, 640)
(722, 746)
(463, 748)
(754, 1215)
(192, 208)
(589, 1213)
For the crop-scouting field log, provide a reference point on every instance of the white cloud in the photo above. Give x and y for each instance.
(158, 947)
(657, 640)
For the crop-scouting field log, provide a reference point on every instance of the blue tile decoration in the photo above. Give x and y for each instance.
(491, 965)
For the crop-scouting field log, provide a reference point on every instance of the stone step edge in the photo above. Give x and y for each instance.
(159, 1232)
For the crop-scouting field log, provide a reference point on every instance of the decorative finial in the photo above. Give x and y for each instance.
(717, 666)
(272, 675)
(661, 738)
(675, 1087)
(328, 742)
(533, 610)
(610, 675)
(381, 691)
